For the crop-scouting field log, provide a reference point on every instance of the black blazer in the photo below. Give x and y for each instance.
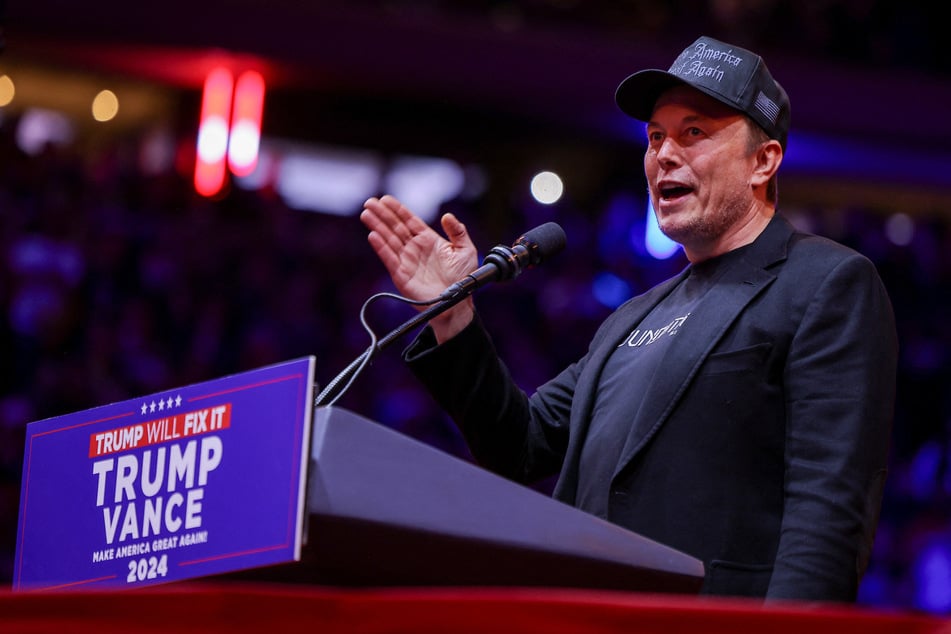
(761, 445)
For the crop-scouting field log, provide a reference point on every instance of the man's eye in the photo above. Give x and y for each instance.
(694, 131)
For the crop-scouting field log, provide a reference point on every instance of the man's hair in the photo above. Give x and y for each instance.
(757, 137)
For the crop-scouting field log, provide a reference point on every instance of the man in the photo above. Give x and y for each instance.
(740, 411)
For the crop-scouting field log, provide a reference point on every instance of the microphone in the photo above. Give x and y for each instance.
(504, 263)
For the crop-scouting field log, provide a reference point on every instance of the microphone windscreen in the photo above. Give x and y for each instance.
(544, 241)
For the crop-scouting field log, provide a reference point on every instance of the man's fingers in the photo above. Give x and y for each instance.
(403, 221)
(381, 236)
(379, 219)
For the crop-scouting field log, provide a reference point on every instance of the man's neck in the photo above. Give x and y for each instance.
(741, 234)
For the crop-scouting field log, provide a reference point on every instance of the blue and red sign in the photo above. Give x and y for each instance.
(201, 480)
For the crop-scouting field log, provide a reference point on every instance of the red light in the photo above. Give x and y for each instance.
(213, 132)
(245, 137)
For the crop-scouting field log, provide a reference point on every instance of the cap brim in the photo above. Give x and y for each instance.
(637, 94)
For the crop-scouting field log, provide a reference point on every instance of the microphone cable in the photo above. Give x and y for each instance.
(357, 366)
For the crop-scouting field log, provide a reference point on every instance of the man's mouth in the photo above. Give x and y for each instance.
(674, 191)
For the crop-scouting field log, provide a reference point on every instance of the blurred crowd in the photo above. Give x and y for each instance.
(878, 33)
(117, 282)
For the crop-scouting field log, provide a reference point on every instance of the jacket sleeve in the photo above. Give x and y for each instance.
(521, 438)
(840, 393)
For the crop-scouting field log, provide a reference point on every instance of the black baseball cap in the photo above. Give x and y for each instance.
(730, 74)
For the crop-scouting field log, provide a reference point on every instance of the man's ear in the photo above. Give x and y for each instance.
(768, 158)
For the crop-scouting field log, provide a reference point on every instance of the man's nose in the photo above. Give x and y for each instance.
(668, 151)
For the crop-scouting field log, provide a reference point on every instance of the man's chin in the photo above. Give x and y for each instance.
(676, 231)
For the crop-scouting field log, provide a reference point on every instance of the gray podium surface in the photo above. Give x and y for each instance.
(385, 509)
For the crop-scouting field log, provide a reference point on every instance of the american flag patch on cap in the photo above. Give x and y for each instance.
(767, 106)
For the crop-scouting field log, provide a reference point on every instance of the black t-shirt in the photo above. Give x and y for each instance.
(630, 372)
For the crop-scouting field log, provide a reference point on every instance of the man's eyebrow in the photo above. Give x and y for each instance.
(693, 118)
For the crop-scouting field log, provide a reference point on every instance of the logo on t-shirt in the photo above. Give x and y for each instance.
(644, 337)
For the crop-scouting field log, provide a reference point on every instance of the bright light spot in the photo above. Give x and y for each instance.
(424, 183)
(900, 229)
(246, 118)
(338, 180)
(547, 187)
(105, 106)
(243, 145)
(328, 180)
(610, 290)
(38, 128)
(213, 123)
(933, 578)
(7, 90)
(658, 245)
(213, 139)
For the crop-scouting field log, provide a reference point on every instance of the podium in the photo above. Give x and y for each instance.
(385, 510)
(243, 477)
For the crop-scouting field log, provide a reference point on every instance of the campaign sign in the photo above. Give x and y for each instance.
(195, 481)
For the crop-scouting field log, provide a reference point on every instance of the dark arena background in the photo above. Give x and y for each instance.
(123, 275)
